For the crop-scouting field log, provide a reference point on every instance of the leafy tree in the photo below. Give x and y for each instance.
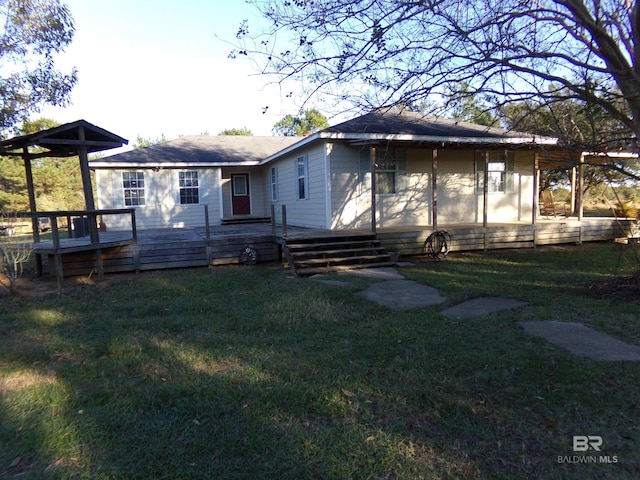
(147, 142)
(244, 131)
(577, 125)
(374, 53)
(466, 106)
(32, 32)
(57, 181)
(310, 121)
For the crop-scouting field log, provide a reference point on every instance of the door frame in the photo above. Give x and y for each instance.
(247, 177)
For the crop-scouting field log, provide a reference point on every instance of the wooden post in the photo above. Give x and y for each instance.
(373, 190)
(434, 189)
(485, 206)
(572, 209)
(535, 200)
(32, 205)
(277, 250)
(57, 258)
(273, 220)
(284, 221)
(134, 238)
(207, 235)
(580, 196)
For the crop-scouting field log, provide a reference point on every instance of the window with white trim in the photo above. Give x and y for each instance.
(273, 176)
(133, 188)
(189, 189)
(391, 170)
(500, 171)
(302, 177)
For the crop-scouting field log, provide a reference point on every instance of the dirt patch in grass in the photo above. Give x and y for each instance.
(622, 288)
(30, 285)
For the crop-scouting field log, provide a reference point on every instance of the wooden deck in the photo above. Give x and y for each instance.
(222, 245)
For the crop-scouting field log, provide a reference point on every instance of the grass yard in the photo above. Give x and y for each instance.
(244, 373)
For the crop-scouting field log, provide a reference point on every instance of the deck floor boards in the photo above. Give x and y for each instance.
(187, 247)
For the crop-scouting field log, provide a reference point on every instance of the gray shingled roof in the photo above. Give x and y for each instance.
(199, 151)
(395, 122)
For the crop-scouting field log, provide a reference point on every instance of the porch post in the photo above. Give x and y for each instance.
(84, 171)
(536, 186)
(32, 205)
(485, 193)
(580, 189)
(373, 190)
(572, 209)
(434, 189)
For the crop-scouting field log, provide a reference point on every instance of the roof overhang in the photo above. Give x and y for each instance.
(62, 141)
(372, 139)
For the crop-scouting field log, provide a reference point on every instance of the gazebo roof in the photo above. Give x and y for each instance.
(63, 141)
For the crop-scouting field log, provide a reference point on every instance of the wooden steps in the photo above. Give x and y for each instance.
(310, 256)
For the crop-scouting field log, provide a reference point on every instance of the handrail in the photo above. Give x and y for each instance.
(92, 214)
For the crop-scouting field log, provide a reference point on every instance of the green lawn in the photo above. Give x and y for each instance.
(245, 373)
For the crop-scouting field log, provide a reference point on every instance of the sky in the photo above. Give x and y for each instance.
(150, 68)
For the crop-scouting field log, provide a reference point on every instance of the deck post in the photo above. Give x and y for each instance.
(535, 200)
(373, 190)
(277, 251)
(134, 237)
(284, 221)
(273, 220)
(32, 205)
(485, 203)
(207, 234)
(434, 189)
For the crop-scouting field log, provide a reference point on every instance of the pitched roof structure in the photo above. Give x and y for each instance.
(199, 151)
(63, 141)
(394, 124)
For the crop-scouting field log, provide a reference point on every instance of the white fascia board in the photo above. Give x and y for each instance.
(118, 165)
(532, 140)
(536, 140)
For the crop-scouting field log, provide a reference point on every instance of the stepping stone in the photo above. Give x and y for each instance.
(336, 283)
(385, 273)
(402, 294)
(583, 341)
(481, 306)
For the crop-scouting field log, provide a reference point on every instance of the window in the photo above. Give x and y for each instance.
(274, 184)
(188, 182)
(500, 166)
(386, 170)
(302, 177)
(391, 170)
(133, 188)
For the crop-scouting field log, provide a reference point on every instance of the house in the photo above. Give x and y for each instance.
(424, 171)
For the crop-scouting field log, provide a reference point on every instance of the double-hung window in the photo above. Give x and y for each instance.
(273, 178)
(500, 170)
(189, 189)
(391, 170)
(302, 177)
(133, 188)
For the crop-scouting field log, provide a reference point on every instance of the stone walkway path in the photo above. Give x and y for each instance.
(398, 293)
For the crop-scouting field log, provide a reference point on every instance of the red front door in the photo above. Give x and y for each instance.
(240, 200)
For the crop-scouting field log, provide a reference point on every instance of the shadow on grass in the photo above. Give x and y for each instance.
(243, 373)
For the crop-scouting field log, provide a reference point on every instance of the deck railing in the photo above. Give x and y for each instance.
(79, 223)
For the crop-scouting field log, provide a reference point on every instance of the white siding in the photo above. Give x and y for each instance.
(309, 212)
(257, 195)
(351, 190)
(162, 207)
(458, 201)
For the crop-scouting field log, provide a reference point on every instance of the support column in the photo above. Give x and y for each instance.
(32, 205)
(485, 195)
(373, 190)
(434, 190)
